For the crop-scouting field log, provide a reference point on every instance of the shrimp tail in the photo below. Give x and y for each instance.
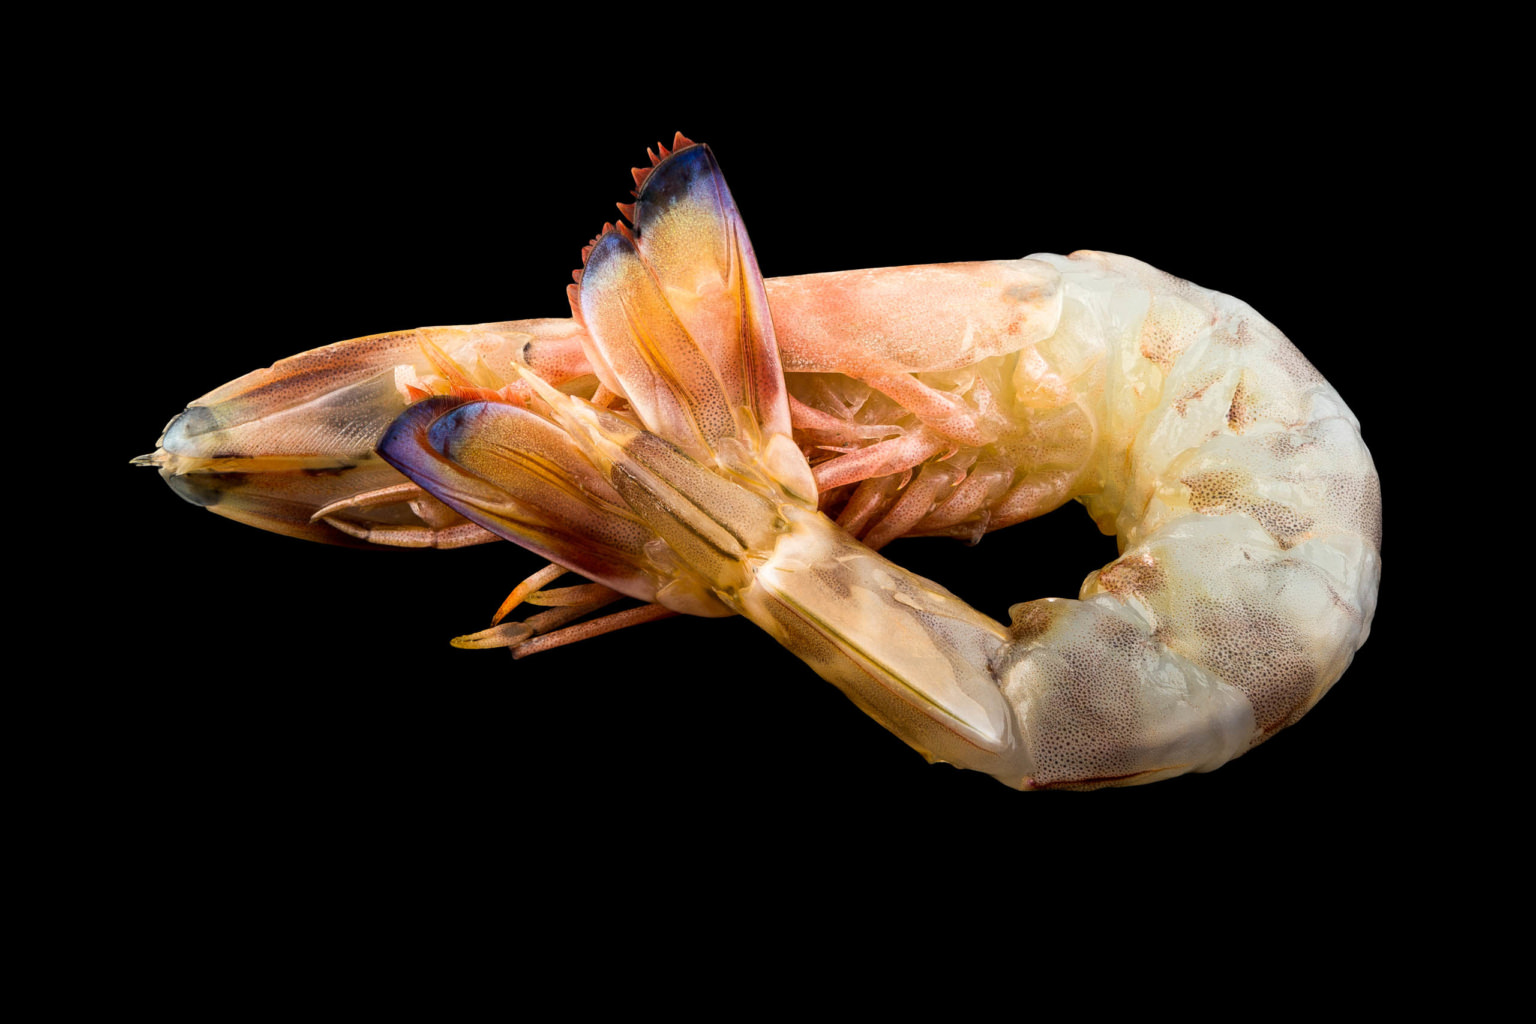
(699, 478)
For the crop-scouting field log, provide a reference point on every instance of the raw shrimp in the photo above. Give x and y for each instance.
(922, 400)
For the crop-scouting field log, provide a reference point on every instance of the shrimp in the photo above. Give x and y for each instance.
(676, 443)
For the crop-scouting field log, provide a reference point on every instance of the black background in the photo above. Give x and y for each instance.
(282, 703)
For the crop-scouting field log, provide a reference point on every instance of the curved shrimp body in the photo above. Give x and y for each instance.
(1245, 503)
(1247, 511)
(678, 444)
